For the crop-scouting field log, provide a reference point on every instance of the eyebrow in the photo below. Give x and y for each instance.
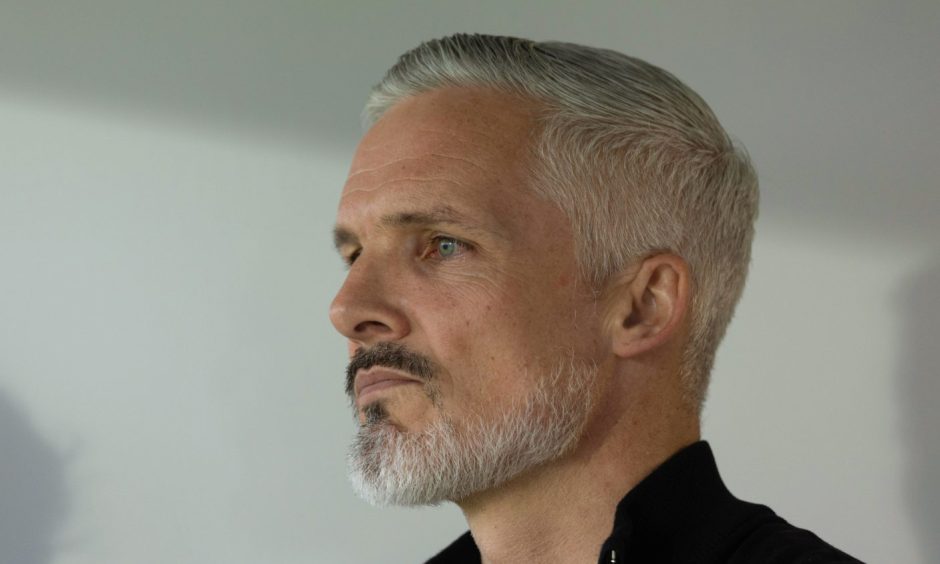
(440, 215)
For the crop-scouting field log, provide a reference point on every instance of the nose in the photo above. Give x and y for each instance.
(367, 308)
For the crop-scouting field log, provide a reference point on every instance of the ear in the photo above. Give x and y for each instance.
(648, 304)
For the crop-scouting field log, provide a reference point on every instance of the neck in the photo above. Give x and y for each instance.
(564, 511)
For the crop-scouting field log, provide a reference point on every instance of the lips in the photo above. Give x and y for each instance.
(376, 379)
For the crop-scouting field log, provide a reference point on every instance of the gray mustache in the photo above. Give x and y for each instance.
(388, 355)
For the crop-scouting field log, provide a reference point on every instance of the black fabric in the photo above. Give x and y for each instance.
(683, 513)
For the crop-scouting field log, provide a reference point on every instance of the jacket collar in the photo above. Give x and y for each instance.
(681, 511)
(683, 504)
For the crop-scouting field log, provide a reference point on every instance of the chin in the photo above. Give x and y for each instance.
(450, 460)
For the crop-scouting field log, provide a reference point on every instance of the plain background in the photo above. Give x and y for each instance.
(171, 389)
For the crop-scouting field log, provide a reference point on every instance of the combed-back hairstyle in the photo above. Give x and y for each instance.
(635, 158)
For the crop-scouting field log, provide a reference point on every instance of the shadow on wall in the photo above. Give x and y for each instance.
(919, 385)
(33, 501)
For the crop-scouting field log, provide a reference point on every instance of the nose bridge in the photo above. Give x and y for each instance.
(367, 306)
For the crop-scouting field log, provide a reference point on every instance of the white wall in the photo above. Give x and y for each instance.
(170, 387)
(820, 400)
(165, 346)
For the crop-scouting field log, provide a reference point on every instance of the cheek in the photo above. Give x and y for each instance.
(474, 333)
(492, 330)
(492, 347)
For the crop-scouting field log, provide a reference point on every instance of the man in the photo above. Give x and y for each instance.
(545, 244)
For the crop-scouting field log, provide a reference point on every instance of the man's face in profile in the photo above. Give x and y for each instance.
(472, 340)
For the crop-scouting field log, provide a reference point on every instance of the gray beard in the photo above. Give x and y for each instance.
(450, 460)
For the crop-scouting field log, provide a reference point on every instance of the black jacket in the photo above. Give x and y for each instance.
(683, 513)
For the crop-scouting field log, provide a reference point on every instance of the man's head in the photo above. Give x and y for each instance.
(528, 226)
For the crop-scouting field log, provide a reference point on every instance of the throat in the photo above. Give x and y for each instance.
(518, 522)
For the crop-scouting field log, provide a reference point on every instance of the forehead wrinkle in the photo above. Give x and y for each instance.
(460, 159)
(489, 137)
(367, 170)
(412, 179)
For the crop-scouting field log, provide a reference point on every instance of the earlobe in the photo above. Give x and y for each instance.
(648, 304)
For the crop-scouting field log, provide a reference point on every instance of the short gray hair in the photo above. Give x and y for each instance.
(635, 158)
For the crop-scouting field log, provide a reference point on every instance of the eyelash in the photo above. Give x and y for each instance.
(430, 247)
(352, 258)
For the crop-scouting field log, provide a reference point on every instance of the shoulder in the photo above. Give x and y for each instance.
(769, 539)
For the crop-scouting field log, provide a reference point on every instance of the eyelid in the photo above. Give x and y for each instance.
(434, 240)
(349, 259)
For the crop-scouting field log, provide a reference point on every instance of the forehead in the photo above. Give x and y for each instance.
(467, 148)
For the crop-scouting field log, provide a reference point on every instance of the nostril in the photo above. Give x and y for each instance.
(372, 327)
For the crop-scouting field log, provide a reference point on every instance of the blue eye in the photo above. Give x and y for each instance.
(446, 247)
